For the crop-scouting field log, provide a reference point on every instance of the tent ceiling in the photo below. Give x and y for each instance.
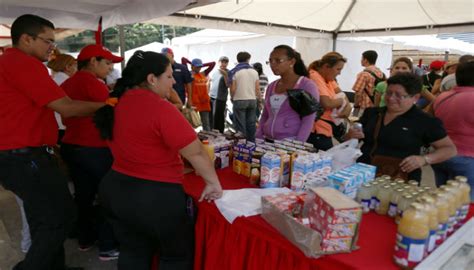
(84, 14)
(363, 16)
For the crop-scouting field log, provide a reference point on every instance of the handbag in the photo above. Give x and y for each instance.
(337, 130)
(192, 116)
(386, 165)
(303, 103)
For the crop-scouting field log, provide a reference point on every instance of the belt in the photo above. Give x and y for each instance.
(29, 151)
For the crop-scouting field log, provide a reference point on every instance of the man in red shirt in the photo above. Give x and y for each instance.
(28, 129)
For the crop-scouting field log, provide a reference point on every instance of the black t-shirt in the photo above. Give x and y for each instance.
(429, 80)
(402, 137)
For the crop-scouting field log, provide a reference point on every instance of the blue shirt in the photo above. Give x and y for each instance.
(182, 76)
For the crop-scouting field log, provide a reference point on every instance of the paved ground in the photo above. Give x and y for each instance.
(10, 225)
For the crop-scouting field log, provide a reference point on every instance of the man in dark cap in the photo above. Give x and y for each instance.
(182, 76)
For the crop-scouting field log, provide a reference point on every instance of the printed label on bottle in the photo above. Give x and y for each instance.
(432, 240)
(377, 203)
(392, 209)
(365, 205)
(373, 202)
(451, 223)
(408, 251)
(441, 233)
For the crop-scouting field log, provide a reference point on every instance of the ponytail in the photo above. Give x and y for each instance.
(140, 65)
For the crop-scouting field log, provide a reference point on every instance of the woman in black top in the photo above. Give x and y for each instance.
(404, 129)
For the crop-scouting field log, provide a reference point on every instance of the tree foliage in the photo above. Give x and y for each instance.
(136, 35)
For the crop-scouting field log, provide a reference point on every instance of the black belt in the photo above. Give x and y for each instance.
(29, 151)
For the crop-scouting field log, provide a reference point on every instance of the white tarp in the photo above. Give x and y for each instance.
(84, 14)
(215, 43)
(380, 16)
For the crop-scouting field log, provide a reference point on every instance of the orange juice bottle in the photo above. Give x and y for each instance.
(449, 191)
(209, 149)
(429, 204)
(442, 204)
(403, 203)
(413, 232)
(394, 200)
(466, 196)
(383, 196)
(457, 192)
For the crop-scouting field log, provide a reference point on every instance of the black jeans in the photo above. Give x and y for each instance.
(148, 217)
(218, 114)
(320, 142)
(50, 211)
(87, 166)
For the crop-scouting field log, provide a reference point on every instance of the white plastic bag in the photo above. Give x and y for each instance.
(344, 154)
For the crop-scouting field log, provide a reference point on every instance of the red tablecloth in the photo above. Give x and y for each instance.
(252, 243)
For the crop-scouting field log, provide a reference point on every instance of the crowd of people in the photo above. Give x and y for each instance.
(123, 147)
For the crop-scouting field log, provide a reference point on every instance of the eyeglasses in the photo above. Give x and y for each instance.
(397, 96)
(276, 61)
(47, 41)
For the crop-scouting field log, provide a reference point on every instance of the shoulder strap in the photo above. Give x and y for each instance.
(376, 132)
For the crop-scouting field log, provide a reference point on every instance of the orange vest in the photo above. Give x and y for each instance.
(200, 93)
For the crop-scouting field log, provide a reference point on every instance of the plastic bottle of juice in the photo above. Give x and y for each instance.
(209, 149)
(466, 195)
(413, 232)
(383, 195)
(449, 191)
(394, 199)
(403, 204)
(375, 189)
(442, 204)
(364, 196)
(432, 211)
(457, 192)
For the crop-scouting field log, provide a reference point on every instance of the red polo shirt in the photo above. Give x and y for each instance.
(148, 133)
(84, 86)
(25, 90)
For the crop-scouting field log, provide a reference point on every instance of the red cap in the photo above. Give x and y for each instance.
(97, 51)
(437, 64)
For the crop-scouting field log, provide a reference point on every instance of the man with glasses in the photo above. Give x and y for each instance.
(28, 129)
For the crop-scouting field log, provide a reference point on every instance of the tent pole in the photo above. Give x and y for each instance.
(122, 43)
(336, 31)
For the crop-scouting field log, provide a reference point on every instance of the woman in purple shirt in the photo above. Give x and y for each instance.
(279, 120)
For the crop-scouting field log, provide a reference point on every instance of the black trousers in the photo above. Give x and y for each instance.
(87, 166)
(320, 141)
(50, 211)
(148, 217)
(218, 114)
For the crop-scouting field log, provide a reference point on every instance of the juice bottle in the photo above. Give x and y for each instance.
(403, 204)
(383, 196)
(413, 232)
(466, 195)
(458, 196)
(375, 189)
(442, 204)
(449, 191)
(413, 183)
(394, 199)
(209, 149)
(364, 196)
(432, 211)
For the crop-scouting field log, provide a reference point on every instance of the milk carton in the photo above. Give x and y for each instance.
(270, 170)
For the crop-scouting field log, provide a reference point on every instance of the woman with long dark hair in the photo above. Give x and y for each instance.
(279, 120)
(142, 194)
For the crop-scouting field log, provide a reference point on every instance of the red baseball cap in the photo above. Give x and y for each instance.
(95, 50)
(437, 64)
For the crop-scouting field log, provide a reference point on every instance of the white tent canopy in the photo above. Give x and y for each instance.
(84, 14)
(344, 17)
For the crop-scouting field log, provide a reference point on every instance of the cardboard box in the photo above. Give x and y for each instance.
(308, 240)
(333, 207)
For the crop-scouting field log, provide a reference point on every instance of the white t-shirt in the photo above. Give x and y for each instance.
(59, 78)
(245, 80)
(276, 100)
(448, 82)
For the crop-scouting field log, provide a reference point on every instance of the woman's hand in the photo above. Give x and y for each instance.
(354, 133)
(211, 192)
(412, 163)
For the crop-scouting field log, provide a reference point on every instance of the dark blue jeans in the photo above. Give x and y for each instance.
(245, 117)
(458, 165)
(87, 166)
(49, 207)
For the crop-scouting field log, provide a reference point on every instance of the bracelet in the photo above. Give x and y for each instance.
(427, 160)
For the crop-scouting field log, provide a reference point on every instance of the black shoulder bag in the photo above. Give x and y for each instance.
(303, 103)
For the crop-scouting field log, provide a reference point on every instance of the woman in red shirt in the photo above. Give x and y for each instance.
(86, 154)
(142, 194)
